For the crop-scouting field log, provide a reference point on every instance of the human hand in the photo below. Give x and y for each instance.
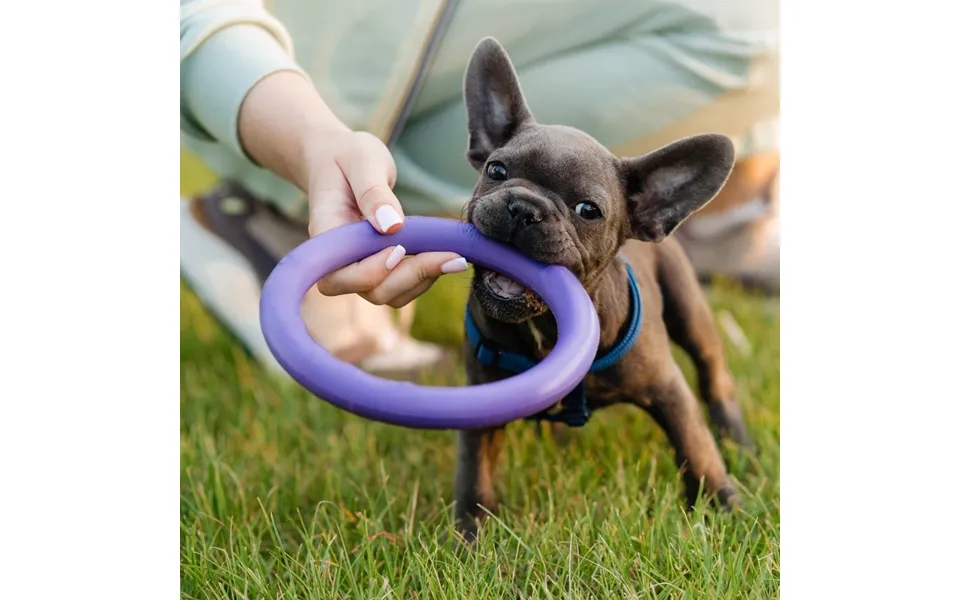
(351, 177)
(348, 176)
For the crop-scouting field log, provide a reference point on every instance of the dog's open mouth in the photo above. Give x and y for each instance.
(504, 299)
(502, 286)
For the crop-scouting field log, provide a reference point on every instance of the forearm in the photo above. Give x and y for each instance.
(278, 116)
(227, 48)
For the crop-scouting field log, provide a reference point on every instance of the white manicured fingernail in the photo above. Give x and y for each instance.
(396, 255)
(387, 217)
(454, 266)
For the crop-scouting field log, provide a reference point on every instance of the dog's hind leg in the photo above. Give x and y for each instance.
(477, 453)
(691, 326)
(671, 403)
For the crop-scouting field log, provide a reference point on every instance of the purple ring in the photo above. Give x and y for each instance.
(403, 403)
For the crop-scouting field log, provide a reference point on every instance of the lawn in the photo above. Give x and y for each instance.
(285, 496)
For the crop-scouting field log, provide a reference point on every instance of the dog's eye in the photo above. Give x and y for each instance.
(497, 171)
(588, 210)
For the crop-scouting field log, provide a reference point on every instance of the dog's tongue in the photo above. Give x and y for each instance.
(506, 286)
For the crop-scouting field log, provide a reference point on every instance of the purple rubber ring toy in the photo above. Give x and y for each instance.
(403, 403)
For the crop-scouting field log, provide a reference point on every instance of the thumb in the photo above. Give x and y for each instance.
(371, 173)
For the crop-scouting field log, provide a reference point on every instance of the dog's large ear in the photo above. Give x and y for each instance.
(668, 185)
(495, 104)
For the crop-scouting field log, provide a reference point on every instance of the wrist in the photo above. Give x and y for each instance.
(281, 120)
(315, 140)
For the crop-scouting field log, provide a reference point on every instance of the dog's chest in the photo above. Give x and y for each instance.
(603, 389)
(600, 389)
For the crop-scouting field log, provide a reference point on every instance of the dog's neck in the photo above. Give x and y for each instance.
(537, 336)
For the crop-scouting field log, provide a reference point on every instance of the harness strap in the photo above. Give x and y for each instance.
(572, 409)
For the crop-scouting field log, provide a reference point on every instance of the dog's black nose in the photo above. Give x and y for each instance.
(524, 212)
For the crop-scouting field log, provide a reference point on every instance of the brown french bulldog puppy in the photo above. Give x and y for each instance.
(560, 197)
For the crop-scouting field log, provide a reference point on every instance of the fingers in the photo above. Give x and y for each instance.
(385, 278)
(371, 173)
(360, 276)
(357, 183)
(405, 299)
(410, 278)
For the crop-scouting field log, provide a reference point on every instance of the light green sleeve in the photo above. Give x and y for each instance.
(226, 47)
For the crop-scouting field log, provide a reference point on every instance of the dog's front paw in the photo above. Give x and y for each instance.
(463, 537)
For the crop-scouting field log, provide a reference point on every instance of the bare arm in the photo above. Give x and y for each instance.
(278, 118)
(239, 87)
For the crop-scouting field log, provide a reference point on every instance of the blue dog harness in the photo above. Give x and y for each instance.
(573, 410)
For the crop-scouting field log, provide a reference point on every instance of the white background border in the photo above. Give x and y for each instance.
(89, 425)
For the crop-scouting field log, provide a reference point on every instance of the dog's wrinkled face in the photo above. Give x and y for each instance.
(559, 196)
(554, 193)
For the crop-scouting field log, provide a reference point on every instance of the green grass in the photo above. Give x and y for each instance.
(285, 496)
